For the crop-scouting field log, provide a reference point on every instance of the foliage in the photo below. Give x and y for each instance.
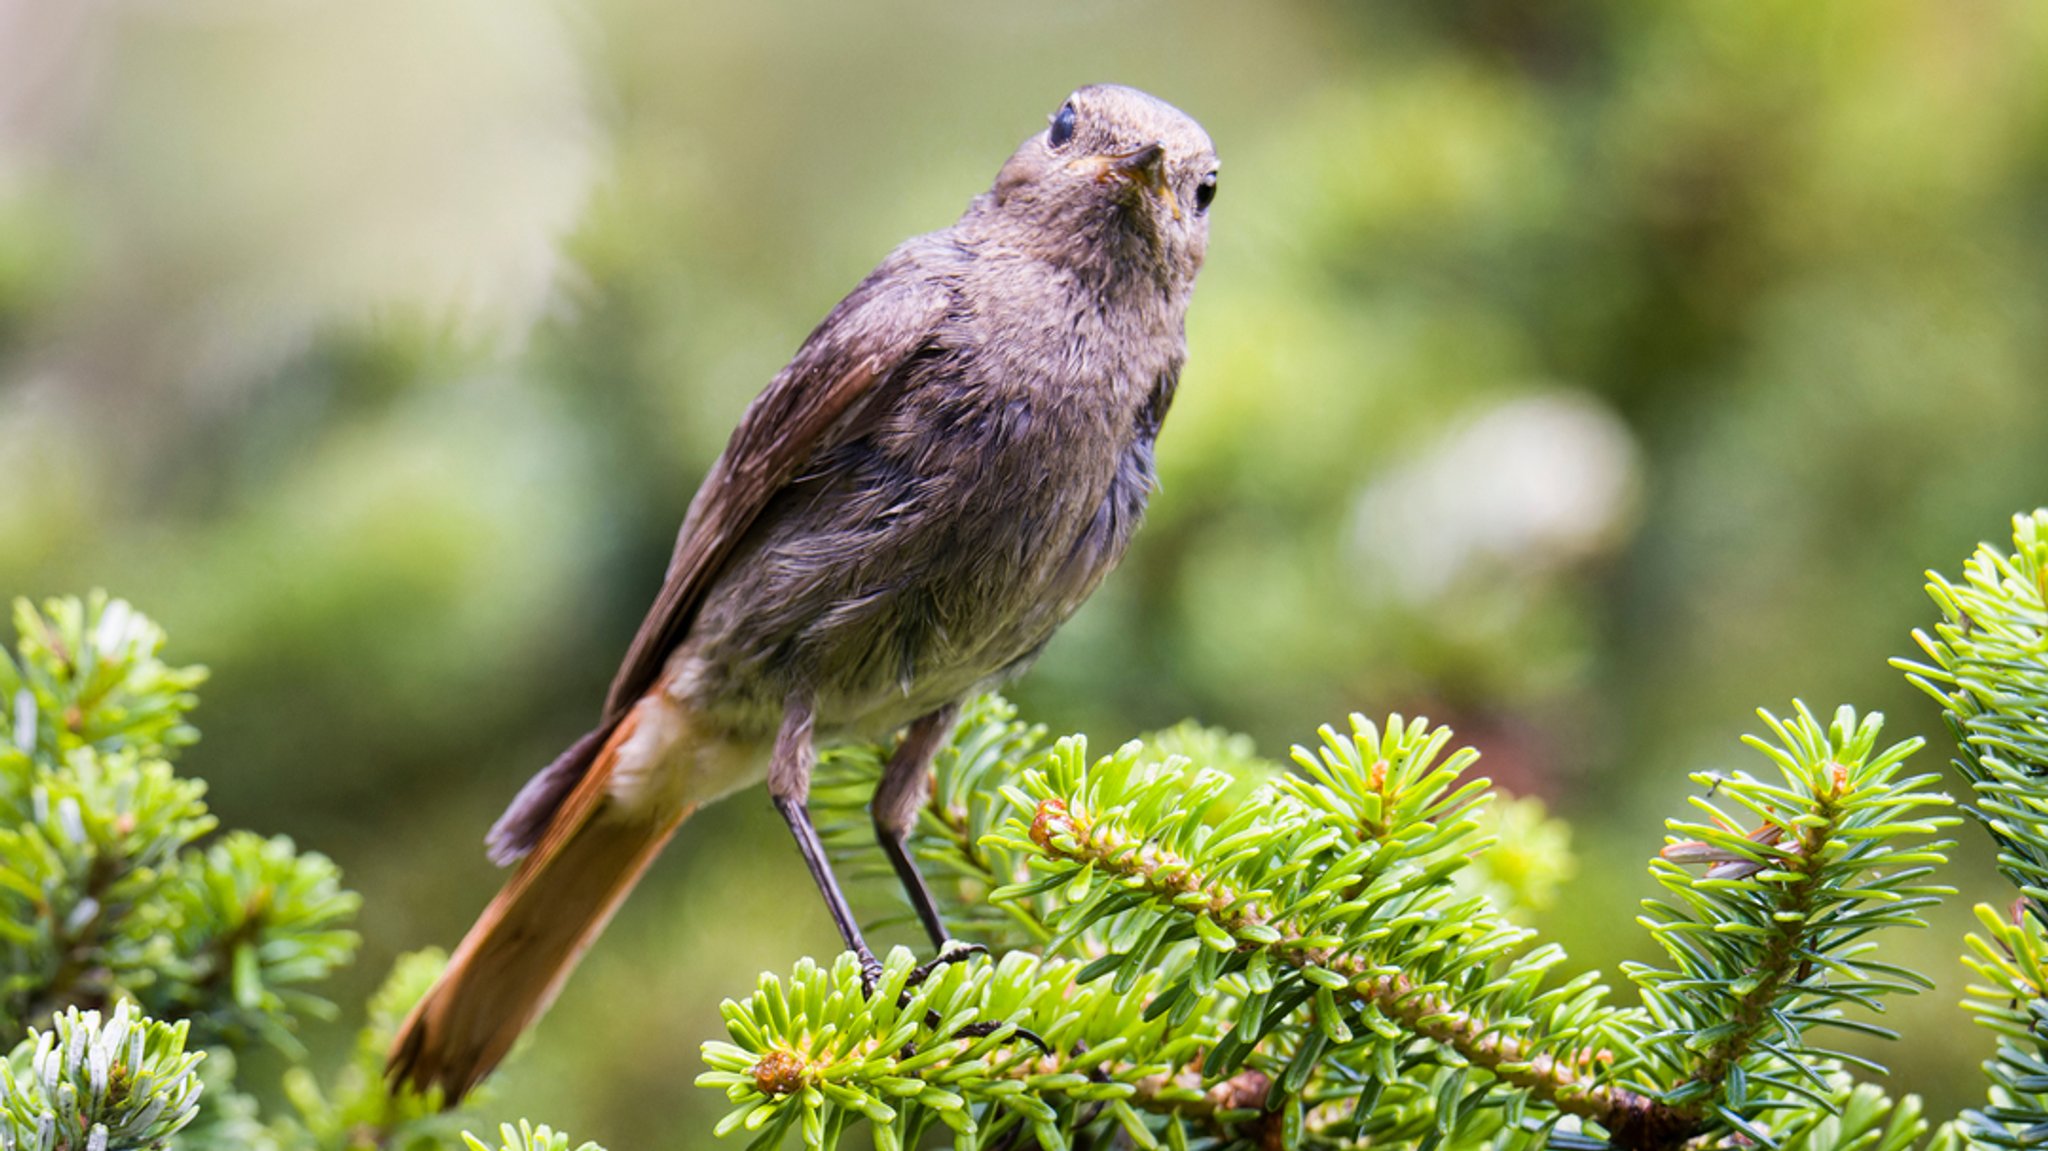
(1989, 670)
(1774, 939)
(105, 894)
(1298, 960)
(1234, 957)
(1202, 950)
(527, 1137)
(125, 1083)
(137, 956)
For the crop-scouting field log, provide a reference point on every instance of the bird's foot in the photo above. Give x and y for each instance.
(951, 952)
(954, 951)
(985, 1029)
(870, 973)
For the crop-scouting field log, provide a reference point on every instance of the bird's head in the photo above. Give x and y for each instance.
(1116, 176)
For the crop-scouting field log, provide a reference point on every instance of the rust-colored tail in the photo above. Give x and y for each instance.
(509, 967)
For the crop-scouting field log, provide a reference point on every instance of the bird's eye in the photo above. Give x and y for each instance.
(1205, 192)
(1062, 129)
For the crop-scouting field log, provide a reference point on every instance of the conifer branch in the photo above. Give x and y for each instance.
(1308, 931)
(1562, 1079)
(1988, 668)
(135, 962)
(1772, 941)
(1230, 957)
(94, 1084)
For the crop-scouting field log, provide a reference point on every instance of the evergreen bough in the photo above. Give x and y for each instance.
(140, 948)
(1216, 952)
(1224, 955)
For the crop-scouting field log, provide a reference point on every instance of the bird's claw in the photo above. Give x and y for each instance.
(953, 952)
(870, 974)
(871, 969)
(980, 1030)
(985, 1029)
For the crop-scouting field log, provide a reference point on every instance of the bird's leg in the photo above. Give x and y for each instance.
(789, 785)
(906, 784)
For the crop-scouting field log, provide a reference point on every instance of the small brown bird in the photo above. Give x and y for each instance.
(953, 461)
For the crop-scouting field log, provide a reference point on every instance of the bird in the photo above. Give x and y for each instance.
(951, 463)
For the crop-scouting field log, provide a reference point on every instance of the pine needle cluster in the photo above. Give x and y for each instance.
(142, 948)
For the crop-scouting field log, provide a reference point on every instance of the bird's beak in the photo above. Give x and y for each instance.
(1146, 168)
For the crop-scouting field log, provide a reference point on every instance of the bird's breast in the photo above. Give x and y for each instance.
(932, 554)
(977, 497)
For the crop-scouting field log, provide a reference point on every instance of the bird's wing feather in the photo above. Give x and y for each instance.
(810, 405)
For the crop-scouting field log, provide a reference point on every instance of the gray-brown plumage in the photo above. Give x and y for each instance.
(953, 461)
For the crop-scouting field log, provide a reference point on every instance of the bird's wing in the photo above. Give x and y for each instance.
(807, 407)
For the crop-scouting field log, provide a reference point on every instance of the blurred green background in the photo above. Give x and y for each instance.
(1584, 375)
